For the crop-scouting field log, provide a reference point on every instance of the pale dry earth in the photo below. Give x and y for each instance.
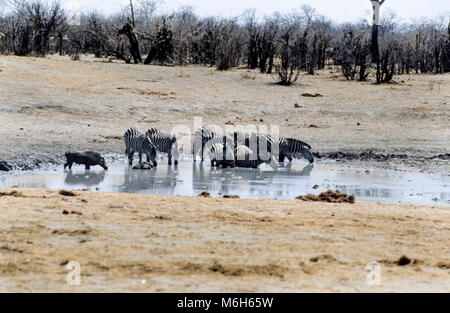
(129, 242)
(51, 105)
(141, 243)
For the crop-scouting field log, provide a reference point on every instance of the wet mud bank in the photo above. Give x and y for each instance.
(369, 158)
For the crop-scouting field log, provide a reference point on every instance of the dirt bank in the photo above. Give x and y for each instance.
(50, 106)
(129, 242)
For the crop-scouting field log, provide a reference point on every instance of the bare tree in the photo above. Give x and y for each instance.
(229, 45)
(253, 38)
(268, 45)
(162, 43)
(132, 13)
(285, 44)
(288, 67)
(375, 50)
(354, 54)
(128, 30)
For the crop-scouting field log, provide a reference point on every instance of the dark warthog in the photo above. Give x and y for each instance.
(87, 158)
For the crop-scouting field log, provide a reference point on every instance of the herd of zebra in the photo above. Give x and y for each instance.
(229, 150)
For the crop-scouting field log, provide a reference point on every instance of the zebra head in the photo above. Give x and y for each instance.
(150, 149)
(308, 155)
(298, 149)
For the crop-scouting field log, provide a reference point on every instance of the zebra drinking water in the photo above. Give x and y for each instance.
(247, 158)
(221, 155)
(165, 143)
(285, 147)
(135, 141)
(205, 138)
(294, 148)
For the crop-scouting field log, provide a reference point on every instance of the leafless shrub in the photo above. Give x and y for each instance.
(354, 54)
(281, 45)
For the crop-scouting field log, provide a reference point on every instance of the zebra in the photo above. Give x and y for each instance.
(165, 143)
(221, 155)
(294, 148)
(248, 158)
(205, 138)
(135, 141)
(285, 147)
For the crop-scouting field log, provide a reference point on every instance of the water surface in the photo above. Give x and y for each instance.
(288, 182)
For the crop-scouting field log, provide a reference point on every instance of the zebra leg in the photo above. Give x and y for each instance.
(88, 167)
(203, 144)
(169, 155)
(290, 159)
(130, 158)
(140, 157)
(281, 158)
(196, 153)
(203, 148)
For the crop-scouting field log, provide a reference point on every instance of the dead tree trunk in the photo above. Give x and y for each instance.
(375, 48)
(135, 52)
(447, 51)
(132, 13)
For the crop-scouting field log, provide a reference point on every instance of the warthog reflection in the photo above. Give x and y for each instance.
(87, 178)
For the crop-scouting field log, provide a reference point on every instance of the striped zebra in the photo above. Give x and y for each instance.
(164, 143)
(248, 158)
(286, 148)
(135, 141)
(205, 138)
(221, 155)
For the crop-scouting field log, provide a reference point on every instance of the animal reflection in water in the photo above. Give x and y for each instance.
(306, 171)
(224, 181)
(161, 180)
(87, 178)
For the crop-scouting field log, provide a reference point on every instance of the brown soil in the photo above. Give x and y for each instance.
(141, 243)
(91, 103)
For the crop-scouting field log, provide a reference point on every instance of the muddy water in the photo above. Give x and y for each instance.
(287, 182)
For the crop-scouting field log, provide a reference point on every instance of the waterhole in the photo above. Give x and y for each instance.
(189, 179)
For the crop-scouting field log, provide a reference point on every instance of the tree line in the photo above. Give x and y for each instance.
(283, 45)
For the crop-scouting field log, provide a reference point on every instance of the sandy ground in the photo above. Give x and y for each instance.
(129, 242)
(143, 243)
(49, 106)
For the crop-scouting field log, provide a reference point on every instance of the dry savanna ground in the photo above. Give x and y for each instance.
(144, 243)
(127, 242)
(50, 105)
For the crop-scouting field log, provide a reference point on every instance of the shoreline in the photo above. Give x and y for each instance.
(369, 159)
